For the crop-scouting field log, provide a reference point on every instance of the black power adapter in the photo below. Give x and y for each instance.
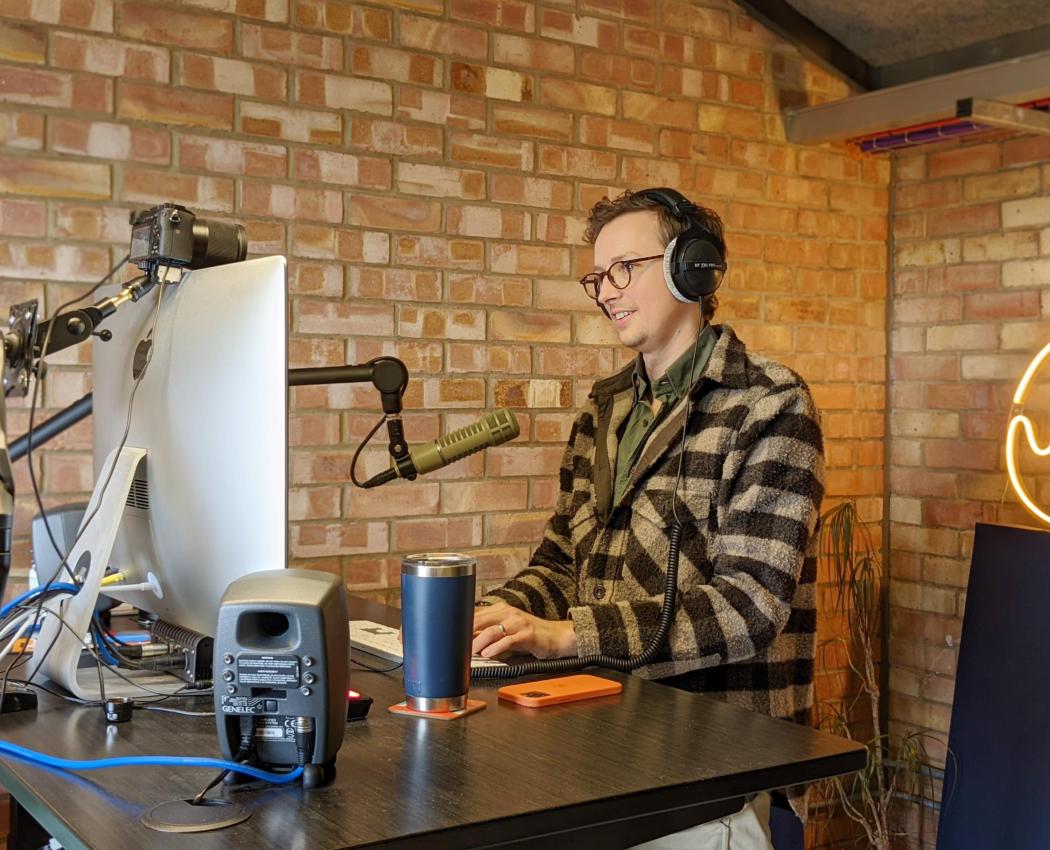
(17, 698)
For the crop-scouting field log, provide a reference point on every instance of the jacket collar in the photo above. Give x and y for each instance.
(727, 366)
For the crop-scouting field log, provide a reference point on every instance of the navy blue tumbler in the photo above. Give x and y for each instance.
(437, 625)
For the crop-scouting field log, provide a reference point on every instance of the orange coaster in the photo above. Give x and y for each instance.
(473, 705)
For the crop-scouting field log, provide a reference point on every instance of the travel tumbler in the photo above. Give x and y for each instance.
(437, 619)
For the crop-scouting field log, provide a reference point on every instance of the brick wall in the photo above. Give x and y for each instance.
(426, 166)
(971, 231)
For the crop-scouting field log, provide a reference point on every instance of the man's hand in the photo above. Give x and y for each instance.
(502, 628)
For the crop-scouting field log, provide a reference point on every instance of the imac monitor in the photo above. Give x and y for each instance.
(209, 501)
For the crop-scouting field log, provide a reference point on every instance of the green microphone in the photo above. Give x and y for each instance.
(491, 430)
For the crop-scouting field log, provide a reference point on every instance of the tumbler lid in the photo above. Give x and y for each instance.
(438, 565)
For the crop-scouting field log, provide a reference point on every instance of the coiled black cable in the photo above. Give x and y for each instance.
(624, 665)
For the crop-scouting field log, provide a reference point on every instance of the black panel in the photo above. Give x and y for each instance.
(1001, 794)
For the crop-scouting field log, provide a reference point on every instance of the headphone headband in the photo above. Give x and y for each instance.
(694, 261)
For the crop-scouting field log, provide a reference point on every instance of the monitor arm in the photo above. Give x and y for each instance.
(22, 347)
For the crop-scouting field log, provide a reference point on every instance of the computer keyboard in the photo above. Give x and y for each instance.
(382, 642)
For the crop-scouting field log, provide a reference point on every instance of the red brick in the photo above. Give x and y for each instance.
(78, 52)
(965, 160)
(632, 10)
(340, 16)
(339, 92)
(22, 218)
(332, 243)
(498, 291)
(530, 327)
(439, 181)
(1019, 151)
(577, 96)
(742, 123)
(662, 46)
(287, 124)
(297, 203)
(444, 39)
(612, 133)
(437, 533)
(620, 70)
(535, 392)
(573, 161)
(533, 53)
(529, 259)
(968, 219)
(444, 253)
(531, 191)
(342, 319)
(110, 141)
(206, 193)
(342, 169)
(491, 150)
(22, 130)
(399, 65)
(320, 279)
(290, 48)
(23, 43)
(450, 109)
(91, 222)
(579, 29)
(962, 454)
(39, 261)
(54, 178)
(233, 157)
(396, 138)
(171, 106)
(526, 121)
(79, 14)
(488, 222)
(232, 76)
(402, 285)
(393, 213)
(687, 17)
(642, 171)
(440, 323)
(690, 82)
(1001, 305)
(498, 14)
(161, 24)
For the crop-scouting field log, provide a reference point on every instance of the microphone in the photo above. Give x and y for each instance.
(494, 429)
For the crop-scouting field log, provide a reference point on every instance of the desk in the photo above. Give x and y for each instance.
(607, 772)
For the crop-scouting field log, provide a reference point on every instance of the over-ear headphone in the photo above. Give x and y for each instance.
(694, 261)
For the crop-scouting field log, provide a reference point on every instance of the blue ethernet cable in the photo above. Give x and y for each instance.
(153, 761)
(36, 591)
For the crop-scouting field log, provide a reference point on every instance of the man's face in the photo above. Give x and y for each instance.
(646, 316)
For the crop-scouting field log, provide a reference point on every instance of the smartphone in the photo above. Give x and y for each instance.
(564, 689)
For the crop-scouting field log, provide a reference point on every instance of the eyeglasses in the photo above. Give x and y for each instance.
(619, 274)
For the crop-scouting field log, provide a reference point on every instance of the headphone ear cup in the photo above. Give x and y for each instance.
(670, 278)
(695, 284)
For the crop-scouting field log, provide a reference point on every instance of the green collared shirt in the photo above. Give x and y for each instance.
(653, 403)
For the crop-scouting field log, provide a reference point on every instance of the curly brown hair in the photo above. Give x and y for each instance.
(606, 210)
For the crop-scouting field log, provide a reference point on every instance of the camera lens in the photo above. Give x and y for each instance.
(216, 243)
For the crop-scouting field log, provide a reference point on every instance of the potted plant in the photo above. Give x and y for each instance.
(899, 774)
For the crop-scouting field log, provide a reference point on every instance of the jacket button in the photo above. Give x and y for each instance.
(599, 592)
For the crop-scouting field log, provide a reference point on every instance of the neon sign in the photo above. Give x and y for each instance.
(1019, 421)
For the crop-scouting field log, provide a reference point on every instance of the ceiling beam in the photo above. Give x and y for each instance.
(995, 113)
(1009, 46)
(815, 44)
(1014, 81)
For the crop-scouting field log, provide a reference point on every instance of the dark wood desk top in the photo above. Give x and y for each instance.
(503, 774)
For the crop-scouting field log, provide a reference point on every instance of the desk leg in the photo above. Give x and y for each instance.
(23, 831)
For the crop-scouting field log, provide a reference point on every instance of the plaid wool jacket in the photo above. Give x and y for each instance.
(749, 496)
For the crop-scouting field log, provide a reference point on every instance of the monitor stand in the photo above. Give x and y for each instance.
(60, 643)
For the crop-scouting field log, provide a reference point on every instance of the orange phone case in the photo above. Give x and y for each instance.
(564, 689)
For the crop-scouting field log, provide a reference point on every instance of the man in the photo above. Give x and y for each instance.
(747, 491)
